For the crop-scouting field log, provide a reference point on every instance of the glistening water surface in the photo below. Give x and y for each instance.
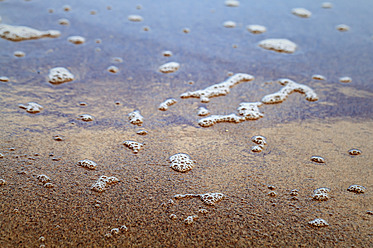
(131, 78)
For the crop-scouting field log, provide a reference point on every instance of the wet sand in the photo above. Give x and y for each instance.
(72, 215)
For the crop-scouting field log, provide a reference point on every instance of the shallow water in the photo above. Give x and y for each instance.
(295, 130)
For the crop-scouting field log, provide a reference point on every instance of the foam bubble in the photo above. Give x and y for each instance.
(203, 211)
(342, 27)
(83, 104)
(2, 182)
(212, 198)
(117, 60)
(318, 159)
(213, 119)
(49, 185)
(289, 87)
(354, 152)
(260, 141)
(114, 231)
(4, 79)
(146, 28)
(345, 79)
(327, 5)
(250, 110)
(123, 228)
(93, 12)
(85, 117)
(321, 194)
(357, 188)
(103, 182)
(32, 107)
(318, 223)
(58, 137)
(43, 178)
(136, 118)
(63, 21)
(232, 3)
(220, 89)
(202, 111)
(135, 18)
(181, 162)
(19, 54)
(135, 146)
(20, 33)
(278, 45)
(229, 24)
(142, 132)
(169, 67)
(1, 155)
(256, 29)
(59, 75)
(301, 12)
(66, 8)
(318, 77)
(370, 212)
(86, 163)
(186, 30)
(190, 219)
(167, 53)
(164, 105)
(113, 69)
(272, 193)
(173, 216)
(76, 39)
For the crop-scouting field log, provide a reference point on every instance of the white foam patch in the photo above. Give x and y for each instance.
(256, 29)
(202, 111)
(86, 163)
(321, 194)
(290, 87)
(278, 45)
(32, 107)
(136, 118)
(135, 18)
(169, 102)
(76, 39)
(169, 67)
(133, 145)
(20, 33)
(301, 12)
(318, 77)
(181, 162)
(59, 75)
(343, 27)
(318, 223)
(103, 183)
(356, 188)
(318, 159)
(220, 89)
(229, 24)
(85, 117)
(232, 3)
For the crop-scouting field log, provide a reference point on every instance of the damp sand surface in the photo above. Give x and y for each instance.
(268, 195)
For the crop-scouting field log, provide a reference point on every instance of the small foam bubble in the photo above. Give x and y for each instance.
(318, 223)
(354, 152)
(342, 27)
(289, 87)
(83, 104)
(32, 107)
(59, 75)
(167, 53)
(85, 117)
(272, 193)
(146, 28)
(123, 228)
(256, 29)
(49, 185)
(203, 211)
(142, 132)
(229, 24)
(63, 21)
(1, 155)
(318, 77)
(2, 182)
(327, 5)
(103, 182)
(301, 12)
(370, 212)
(345, 79)
(58, 137)
(43, 178)
(202, 111)
(232, 3)
(279, 45)
(181, 162)
(186, 30)
(169, 102)
(136, 118)
(93, 12)
(173, 216)
(321, 194)
(356, 188)
(135, 18)
(76, 39)
(86, 163)
(116, 60)
(66, 8)
(260, 141)
(318, 159)
(220, 89)
(114, 231)
(133, 145)
(169, 67)
(113, 69)
(20, 33)
(19, 54)
(190, 219)
(212, 198)
(4, 79)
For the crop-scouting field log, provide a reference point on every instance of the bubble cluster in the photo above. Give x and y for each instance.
(76, 39)
(290, 87)
(86, 163)
(133, 145)
(345, 80)
(354, 152)
(279, 45)
(59, 75)
(318, 77)
(356, 188)
(250, 110)
(321, 194)
(301, 12)
(32, 107)
(229, 24)
(135, 18)
(256, 29)
(190, 219)
(85, 117)
(260, 141)
(169, 67)
(318, 159)
(136, 118)
(213, 119)
(202, 111)
(212, 198)
(181, 162)
(45, 181)
(103, 183)
(220, 89)
(164, 105)
(20, 33)
(318, 223)
(342, 27)
(116, 231)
